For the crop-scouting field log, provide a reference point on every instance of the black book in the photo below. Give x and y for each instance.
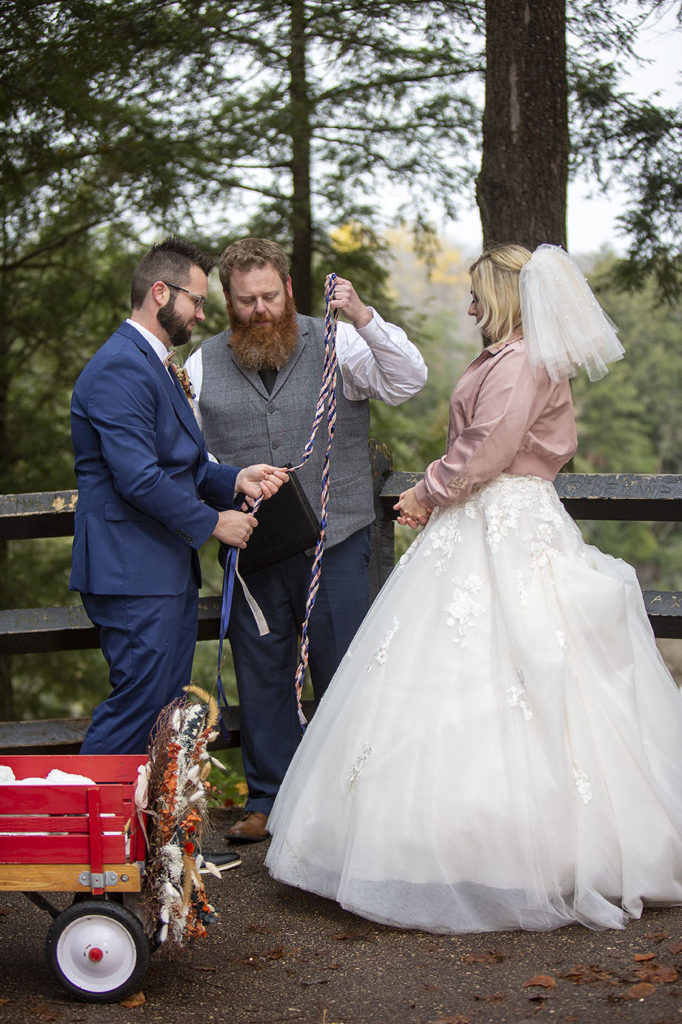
(287, 525)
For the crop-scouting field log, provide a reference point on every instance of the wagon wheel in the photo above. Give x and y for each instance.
(98, 950)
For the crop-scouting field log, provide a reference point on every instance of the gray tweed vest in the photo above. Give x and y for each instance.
(244, 424)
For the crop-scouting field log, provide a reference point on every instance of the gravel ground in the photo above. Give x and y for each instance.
(280, 955)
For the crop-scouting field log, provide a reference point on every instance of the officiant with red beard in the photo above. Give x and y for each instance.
(256, 388)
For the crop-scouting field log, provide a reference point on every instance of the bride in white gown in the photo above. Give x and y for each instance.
(502, 745)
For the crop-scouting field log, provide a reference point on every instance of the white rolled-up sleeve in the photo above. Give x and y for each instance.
(379, 361)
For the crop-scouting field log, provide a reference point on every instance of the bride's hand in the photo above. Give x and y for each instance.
(410, 512)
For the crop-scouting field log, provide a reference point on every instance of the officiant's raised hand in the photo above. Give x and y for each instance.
(347, 300)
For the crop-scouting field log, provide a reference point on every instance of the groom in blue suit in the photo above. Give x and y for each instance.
(148, 498)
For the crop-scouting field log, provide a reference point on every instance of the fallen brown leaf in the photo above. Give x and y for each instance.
(494, 997)
(674, 948)
(657, 972)
(588, 974)
(657, 937)
(640, 991)
(137, 999)
(315, 981)
(542, 980)
(489, 956)
(274, 954)
(639, 957)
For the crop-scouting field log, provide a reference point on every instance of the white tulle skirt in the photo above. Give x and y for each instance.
(502, 745)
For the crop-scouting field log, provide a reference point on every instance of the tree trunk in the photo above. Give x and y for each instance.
(521, 188)
(301, 214)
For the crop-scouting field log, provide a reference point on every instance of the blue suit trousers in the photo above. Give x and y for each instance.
(266, 666)
(149, 644)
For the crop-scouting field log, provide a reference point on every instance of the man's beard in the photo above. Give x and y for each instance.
(177, 329)
(265, 346)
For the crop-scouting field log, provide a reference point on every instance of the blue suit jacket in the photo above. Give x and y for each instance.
(143, 470)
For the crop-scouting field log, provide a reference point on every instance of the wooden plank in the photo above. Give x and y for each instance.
(67, 628)
(40, 514)
(101, 768)
(42, 799)
(51, 736)
(631, 495)
(664, 608)
(626, 496)
(61, 634)
(64, 877)
(51, 849)
(78, 824)
(37, 630)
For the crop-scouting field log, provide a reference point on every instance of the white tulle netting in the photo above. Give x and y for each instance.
(564, 326)
(501, 746)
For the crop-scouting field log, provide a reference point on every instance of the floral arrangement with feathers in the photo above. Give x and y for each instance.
(172, 792)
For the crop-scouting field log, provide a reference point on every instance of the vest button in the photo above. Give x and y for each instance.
(271, 409)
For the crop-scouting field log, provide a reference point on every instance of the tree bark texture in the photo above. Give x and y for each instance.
(301, 213)
(521, 188)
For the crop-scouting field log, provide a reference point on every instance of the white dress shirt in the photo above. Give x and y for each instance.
(156, 343)
(376, 361)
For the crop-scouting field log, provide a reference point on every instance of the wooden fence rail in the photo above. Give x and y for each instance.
(50, 514)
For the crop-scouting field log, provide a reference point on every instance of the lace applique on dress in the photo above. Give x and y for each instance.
(516, 695)
(499, 520)
(507, 497)
(541, 551)
(414, 546)
(357, 766)
(463, 607)
(442, 538)
(582, 784)
(381, 652)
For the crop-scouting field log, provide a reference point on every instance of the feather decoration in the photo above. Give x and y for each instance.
(174, 900)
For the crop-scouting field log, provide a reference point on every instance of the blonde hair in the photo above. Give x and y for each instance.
(495, 283)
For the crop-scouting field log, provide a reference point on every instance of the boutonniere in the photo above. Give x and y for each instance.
(183, 376)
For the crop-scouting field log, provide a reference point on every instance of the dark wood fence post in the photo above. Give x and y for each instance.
(382, 531)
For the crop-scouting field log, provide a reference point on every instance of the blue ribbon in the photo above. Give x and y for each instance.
(225, 608)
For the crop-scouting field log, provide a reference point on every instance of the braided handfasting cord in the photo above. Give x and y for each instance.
(328, 389)
(327, 392)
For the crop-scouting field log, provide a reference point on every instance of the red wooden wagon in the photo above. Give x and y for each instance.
(84, 839)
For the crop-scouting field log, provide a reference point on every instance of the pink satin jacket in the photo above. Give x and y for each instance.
(504, 418)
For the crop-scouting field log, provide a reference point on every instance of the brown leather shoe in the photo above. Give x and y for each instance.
(249, 829)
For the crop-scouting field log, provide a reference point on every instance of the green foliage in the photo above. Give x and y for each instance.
(631, 422)
(228, 788)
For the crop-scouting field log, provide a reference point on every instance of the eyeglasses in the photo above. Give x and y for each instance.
(199, 300)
